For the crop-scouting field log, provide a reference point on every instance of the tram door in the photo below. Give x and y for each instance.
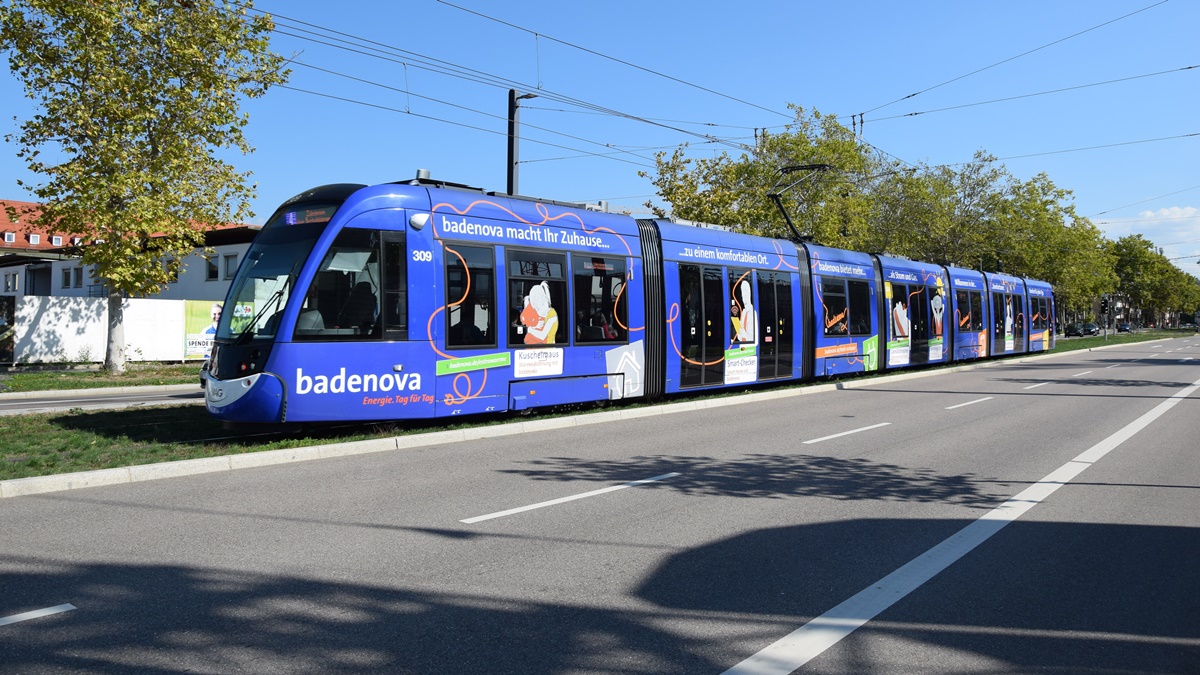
(918, 314)
(702, 326)
(775, 321)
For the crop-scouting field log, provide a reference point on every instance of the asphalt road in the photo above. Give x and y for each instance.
(27, 403)
(1019, 518)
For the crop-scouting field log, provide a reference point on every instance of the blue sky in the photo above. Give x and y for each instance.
(722, 70)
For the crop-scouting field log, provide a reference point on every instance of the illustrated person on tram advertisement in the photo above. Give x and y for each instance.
(938, 307)
(901, 325)
(742, 315)
(538, 317)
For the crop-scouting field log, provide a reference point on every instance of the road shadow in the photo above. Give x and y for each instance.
(1037, 597)
(774, 476)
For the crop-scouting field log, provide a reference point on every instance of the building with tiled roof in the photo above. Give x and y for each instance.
(36, 262)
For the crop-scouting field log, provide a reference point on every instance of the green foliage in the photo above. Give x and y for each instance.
(976, 215)
(136, 98)
(1149, 282)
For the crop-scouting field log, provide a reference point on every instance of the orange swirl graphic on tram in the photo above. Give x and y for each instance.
(541, 209)
(544, 212)
(782, 262)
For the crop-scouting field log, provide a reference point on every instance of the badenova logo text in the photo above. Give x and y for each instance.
(356, 384)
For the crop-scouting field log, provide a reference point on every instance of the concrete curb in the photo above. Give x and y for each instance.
(189, 467)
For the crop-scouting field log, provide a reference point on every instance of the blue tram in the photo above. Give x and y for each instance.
(427, 299)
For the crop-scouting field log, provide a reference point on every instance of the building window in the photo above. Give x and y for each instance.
(56, 241)
(78, 274)
(35, 239)
(75, 241)
(10, 283)
(210, 269)
(10, 237)
(66, 277)
(230, 265)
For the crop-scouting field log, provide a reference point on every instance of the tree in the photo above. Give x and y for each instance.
(828, 206)
(976, 215)
(136, 99)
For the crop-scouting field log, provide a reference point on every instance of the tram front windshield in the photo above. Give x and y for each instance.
(267, 275)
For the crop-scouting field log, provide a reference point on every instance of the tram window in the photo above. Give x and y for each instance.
(962, 307)
(937, 309)
(395, 286)
(470, 296)
(743, 317)
(918, 312)
(833, 295)
(899, 315)
(600, 314)
(537, 290)
(342, 301)
(860, 307)
(1002, 316)
(976, 311)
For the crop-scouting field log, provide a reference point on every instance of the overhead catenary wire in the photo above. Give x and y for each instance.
(1013, 58)
(1169, 194)
(1040, 93)
(446, 121)
(614, 59)
(381, 50)
(468, 109)
(453, 70)
(447, 68)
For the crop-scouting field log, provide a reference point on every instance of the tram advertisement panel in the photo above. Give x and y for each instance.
(844, 293)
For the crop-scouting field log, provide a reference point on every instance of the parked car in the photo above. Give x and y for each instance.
(1124, 328)
(1089, 329)
(1072, 330)
(1189, 326)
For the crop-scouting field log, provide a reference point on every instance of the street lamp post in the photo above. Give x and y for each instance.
(514, 111)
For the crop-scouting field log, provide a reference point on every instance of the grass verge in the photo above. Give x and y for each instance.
(53, 443)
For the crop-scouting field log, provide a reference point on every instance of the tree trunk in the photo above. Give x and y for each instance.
(114, 353)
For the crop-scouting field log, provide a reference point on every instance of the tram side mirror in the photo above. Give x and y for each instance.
(418, 220)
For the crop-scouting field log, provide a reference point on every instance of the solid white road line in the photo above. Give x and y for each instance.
(35, 614)
(810, 640)
(563, 500)
(1086, 372)
(1112, 366)
(846, 433)
(1039, 384)
(978, 400)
